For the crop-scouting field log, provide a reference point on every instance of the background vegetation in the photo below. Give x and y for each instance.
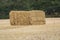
(51, 7)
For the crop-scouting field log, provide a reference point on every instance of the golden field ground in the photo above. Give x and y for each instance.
(48, 31)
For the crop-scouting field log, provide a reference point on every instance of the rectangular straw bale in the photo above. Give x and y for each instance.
(19, 17)
(27, 17)
(37, 17)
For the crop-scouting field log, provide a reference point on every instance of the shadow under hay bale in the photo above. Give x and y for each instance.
(27, 17)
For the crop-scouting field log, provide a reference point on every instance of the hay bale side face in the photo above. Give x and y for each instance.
(12, 18)
(37, 17)
(23, 18)
(27, 17)
(19, 18)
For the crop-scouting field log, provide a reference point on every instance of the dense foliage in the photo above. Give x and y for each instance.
(51, 7)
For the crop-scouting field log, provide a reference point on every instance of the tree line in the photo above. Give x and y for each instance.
(51, 7)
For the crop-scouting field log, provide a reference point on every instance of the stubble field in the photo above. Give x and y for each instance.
(48, 31)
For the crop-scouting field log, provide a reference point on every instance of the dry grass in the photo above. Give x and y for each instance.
(27, 17)
(49, 31)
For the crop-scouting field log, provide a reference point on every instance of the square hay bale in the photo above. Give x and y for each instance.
(19, 17)
(37, 17)
(27, 17)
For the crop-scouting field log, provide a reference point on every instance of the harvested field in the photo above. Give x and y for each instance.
(49, 31)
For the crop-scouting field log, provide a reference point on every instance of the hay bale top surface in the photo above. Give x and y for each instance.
(29, 11)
